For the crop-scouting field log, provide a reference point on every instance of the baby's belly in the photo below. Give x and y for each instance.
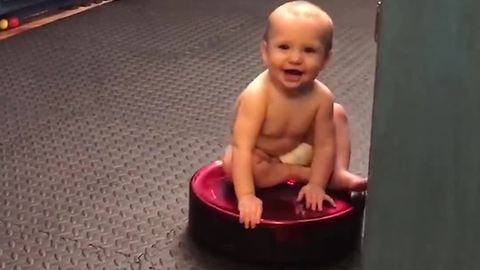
(277, 146)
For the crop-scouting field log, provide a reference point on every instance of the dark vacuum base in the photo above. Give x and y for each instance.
(284, 241)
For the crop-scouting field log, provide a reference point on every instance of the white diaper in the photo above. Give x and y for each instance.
(302, 155)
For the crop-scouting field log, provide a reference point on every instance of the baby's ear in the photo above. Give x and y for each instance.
(326, 59)
(263, 50)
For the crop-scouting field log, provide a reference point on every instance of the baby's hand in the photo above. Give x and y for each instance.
(314, 196)
(250, 208)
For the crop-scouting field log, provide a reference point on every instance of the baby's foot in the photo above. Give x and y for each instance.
(349, 181)
(358, 183)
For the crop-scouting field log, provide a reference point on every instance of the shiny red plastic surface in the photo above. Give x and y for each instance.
(213, 188)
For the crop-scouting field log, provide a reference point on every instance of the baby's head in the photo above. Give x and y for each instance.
(297, 43)
(298, 9)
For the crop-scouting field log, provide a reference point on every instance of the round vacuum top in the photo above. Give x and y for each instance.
(211, 186)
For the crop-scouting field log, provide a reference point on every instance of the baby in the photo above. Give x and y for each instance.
(286, 122)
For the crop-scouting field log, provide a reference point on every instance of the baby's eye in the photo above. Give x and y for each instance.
(283, 47)
(310, 50)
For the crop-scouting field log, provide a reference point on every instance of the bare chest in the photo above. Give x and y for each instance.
(288, 119)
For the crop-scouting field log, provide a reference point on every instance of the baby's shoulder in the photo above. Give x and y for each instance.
(322, 92)
(321, 89)
(255, 90)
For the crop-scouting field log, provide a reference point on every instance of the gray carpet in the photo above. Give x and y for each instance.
(106, 115)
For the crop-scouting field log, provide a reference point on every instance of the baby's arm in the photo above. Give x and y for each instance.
(249, 117)
(323, 155)
(250, 113)
(324, 141)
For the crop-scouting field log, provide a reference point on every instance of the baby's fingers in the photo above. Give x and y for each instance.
(330, 200)
(253, 218)
(301, 195)
(312, 199)
(316, 202)
(244, 217)
(258, 215)
(319, 203)
(248, 220)
(241, 216)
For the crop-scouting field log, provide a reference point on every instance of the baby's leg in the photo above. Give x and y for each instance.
(267, 171)
(343, 179)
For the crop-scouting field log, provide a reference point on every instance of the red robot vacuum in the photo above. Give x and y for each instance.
(287, 233)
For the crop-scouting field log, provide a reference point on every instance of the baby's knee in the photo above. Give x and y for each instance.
(339, 109)
(339, 112)
(227, 161)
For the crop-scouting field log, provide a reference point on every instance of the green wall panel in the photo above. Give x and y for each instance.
(423, 206)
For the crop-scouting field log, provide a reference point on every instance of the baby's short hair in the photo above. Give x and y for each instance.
(327, 39)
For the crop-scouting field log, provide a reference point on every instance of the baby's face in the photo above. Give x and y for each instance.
(294, 52)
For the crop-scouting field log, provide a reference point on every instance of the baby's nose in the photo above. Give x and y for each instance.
(295, 57)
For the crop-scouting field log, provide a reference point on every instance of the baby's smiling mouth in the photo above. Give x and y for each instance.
(294, 72)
